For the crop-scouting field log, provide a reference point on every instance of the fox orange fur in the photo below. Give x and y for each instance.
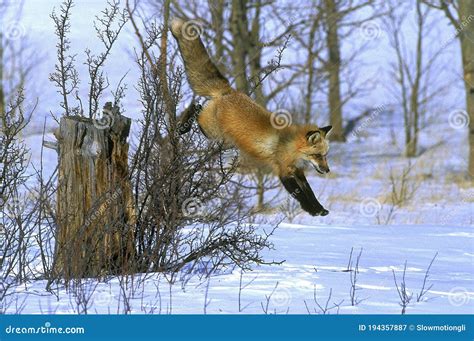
(235, 119)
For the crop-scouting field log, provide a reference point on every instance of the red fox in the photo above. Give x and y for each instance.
(235, 119)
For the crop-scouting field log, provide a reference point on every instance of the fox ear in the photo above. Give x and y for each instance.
(326, 130)
(313, 136)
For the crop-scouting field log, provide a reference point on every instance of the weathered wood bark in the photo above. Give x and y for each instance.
(94, 210)
(334, 69)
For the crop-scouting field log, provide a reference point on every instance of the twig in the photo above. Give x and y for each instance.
(425, 279)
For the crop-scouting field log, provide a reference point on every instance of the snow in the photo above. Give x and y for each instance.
(438, 219)
(314, 259)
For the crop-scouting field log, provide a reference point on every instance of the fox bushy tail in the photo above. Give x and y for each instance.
(206, 80)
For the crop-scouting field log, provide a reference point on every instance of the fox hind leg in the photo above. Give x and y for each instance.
(208, 122)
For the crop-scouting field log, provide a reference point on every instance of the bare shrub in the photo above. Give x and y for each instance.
(266, 308)
(403, 293)
(326, 308)
(241, 288)
(290, 208)
(16, 208)
(189, 211)
(65, 76)
(403, 185)
(425, 287)
(353, 269)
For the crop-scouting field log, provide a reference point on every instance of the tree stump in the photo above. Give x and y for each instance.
(95, 213)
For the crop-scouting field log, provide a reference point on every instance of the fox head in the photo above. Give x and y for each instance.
(316, 149)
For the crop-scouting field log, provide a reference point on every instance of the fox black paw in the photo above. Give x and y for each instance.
(324, 212)
(320, 212)
(316, 211)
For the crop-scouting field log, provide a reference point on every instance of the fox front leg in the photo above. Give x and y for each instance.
(299, 188)
(301, 179)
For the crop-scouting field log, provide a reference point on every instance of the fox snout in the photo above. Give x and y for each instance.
(325, 169)
(320, 164)
(322, 169)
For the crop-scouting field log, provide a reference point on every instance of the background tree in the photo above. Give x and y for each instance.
(332, 19)
(326, 76)
(340, 20)
(415, 70)
(461, 15)
(307, 34)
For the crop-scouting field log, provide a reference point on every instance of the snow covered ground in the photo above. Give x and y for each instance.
(436, 219)
(316, 262)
